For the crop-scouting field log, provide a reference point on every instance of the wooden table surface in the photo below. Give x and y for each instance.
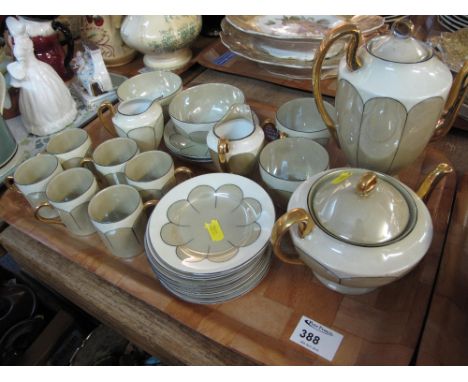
(445, 336)
(382, 327)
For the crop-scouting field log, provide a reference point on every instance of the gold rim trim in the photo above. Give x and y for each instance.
(106, 105)
(283, 224)
(352, 60)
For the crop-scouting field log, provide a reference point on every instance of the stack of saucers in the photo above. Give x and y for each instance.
(207, 240)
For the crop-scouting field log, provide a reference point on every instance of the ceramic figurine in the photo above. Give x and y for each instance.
(91, 70)
(104, 31)
(43, 31)
(45, 103)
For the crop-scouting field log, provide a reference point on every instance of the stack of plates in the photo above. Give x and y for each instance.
(207, 240)
(286, 45)
(453, 23)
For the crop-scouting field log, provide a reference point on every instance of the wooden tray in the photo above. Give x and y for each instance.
(380, 328)
(212, 57)
(445, 339)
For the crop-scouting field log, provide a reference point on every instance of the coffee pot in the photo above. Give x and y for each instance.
(393, 96)
(47, 48)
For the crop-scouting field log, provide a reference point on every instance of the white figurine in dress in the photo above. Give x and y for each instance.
(45, 103)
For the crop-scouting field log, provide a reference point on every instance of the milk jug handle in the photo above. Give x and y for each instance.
(106, 105)
(352, 61)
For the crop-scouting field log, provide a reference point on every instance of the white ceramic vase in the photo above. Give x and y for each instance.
(163, 39)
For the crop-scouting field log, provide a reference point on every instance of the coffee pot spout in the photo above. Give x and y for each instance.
(454, 101)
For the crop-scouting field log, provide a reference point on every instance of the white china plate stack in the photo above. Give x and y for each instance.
(452, 22)
(198, 264)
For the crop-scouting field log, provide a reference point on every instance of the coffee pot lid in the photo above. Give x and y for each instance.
(399, 45)
(361, 207)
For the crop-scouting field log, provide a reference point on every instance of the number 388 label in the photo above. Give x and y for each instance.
(317, 338)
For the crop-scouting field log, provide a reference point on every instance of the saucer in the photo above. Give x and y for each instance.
(20, 156)
(184, 147)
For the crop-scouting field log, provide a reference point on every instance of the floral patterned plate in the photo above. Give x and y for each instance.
(211, 224)
(288, 53)
(300, 27)
(284, 26)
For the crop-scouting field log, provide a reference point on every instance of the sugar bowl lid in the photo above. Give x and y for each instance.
(399, 45)
(361, 207)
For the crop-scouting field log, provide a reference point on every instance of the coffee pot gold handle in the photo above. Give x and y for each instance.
(102, 108)
(283, 224)
(352, 60)
(454, 101)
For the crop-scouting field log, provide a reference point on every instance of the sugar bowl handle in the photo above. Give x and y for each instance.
(352, 60)
(296, 216)
(432, 179)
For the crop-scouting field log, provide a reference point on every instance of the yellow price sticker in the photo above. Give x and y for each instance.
(342, 177)
(214, 230)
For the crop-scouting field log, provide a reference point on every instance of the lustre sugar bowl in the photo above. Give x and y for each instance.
(357, 230)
